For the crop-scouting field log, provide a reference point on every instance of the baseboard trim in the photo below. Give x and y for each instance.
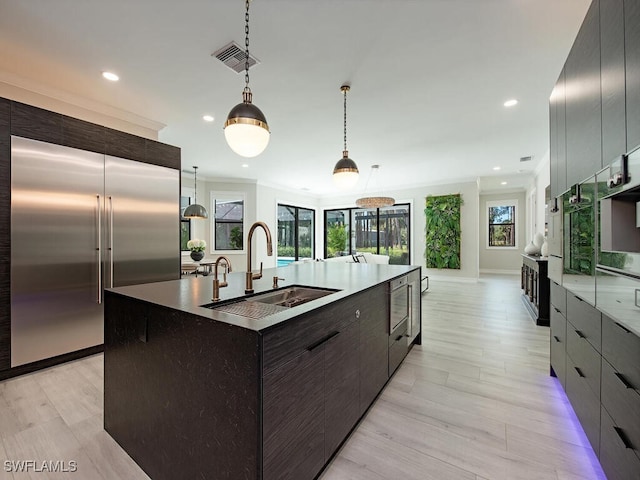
(500, 272)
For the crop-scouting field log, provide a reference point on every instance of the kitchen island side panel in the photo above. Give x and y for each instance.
(162, 372)
(5, 234)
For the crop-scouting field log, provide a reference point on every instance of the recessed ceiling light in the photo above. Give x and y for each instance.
(207, 118)
(511, 103)
(245, 165)
(496, 168)
(112, 77)
(503, 183)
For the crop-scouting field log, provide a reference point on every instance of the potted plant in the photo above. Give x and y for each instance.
(197, 249)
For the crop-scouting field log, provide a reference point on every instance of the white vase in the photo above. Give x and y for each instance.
(538, 240)
(544, 249)
(531, 249)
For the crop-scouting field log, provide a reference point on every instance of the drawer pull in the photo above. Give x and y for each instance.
(400, 337)
(557, 309)
(579, 372)
(580, 334)
(623, 327)
(623, 437)
(578, 298)
(555, 337)
(624, 381)
(315, 345)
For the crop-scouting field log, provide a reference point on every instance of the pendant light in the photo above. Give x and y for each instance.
(345, 173)
(194, 210)
(374, 202)
(246, 129)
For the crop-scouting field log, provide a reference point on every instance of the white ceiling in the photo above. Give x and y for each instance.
(428, 79)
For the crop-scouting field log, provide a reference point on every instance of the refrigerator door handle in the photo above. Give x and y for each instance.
(99, 249)
(111, 241)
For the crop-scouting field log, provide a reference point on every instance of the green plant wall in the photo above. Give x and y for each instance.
(442, 231)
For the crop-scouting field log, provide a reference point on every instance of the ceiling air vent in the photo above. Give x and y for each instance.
(526, 159)
(234, 57)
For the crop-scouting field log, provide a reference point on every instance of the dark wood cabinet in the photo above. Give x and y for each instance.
(314, 369)
(586, 320)
(535, 283)
(293, 421)
(583, 105)
(5, 236)
(373, 346)
(342, 387)
(632, 73)
(558, 334)
(585, 403)
(618, 458)
(557, 138)
(601, 357)
(614, 138)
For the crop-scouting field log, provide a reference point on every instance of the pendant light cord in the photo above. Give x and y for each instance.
(195, 184)
(345, 118)
(246, 48)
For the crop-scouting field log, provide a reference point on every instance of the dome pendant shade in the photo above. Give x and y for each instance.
(345, 173)
(195, 211)
(246, 129)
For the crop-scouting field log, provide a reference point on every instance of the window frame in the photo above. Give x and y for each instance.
(296, 230)
(502, 203)
(185, 220)
(231, 196)
(351, 210)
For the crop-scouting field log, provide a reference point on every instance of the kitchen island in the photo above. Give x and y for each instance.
(195, 392)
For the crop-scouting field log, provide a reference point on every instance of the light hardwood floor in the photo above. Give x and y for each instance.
(474, 402)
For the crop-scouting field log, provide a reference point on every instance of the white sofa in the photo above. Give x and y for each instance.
(364, 257)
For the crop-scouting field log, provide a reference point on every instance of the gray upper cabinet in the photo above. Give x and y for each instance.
(553, 141)
(583, 105)
(614, 138)
(632, 58)
(561, 127)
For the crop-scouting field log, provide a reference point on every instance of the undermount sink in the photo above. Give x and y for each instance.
(270, 303)
(291, 296)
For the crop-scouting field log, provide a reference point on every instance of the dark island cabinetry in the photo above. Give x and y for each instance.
(243, 399)
(535, 283)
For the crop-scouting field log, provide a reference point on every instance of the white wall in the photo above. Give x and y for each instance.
(540, 182)
(502, 260)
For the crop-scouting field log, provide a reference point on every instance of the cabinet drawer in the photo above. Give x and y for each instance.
(307, 331)
(296, 337)
(622, 403)
(558, 333)
(621, 349)
(585, 404)
(618, 461)
(584, 358)
(558, 298)
(398, 347)
(586, 319)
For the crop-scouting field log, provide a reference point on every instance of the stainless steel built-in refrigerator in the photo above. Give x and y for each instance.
(82, 222)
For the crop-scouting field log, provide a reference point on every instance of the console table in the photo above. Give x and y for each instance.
(535, 283)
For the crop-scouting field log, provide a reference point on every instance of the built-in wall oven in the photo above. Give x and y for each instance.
(399, 303)
(620, 216)
(618, 264)
(579, 240)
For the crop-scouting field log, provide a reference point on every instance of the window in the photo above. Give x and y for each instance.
(384, 231)
(502, 232)
(296, 233)
(228, 221)
(185, 224)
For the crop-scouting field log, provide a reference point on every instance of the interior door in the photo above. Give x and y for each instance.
(55, 250)
(142, 222)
